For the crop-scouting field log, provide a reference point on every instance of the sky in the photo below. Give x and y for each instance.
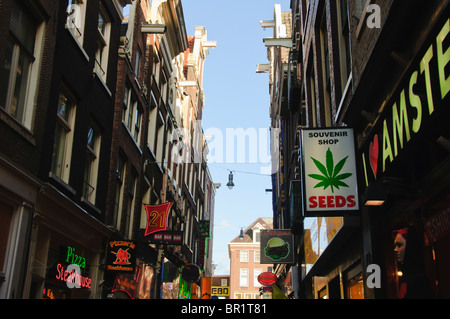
(236, 97)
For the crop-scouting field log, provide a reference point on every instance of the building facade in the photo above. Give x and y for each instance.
(377, 67)
(245, 266)
(59, 78)
(109, 94)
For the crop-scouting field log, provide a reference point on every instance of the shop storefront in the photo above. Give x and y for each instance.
(332, 258)
(18, 192)
(405, 159)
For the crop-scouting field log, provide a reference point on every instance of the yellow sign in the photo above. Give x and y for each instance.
(220, 291)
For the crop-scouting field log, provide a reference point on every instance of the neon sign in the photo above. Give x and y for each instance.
(72, 276)
(73, 258)
(422, 93)
(121, 256)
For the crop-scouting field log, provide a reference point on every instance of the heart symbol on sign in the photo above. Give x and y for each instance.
(373, 155)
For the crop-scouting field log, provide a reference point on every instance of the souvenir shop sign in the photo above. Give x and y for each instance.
(121, 256)
(277, 246)
(157, 217)
(418, 104)
(329, 172)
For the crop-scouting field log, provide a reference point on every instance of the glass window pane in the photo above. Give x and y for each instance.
(6, 74)
(20, 87)
(58, 150)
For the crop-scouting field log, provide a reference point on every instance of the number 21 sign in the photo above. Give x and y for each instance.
(157, 217)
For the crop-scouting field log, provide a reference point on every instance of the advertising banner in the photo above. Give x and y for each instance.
(277, 246)
(329, 172)
(157, 217)
(121, 256)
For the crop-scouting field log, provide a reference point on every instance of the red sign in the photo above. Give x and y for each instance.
(121, 256)
(72, 277)
(166, 237)
(267, 278)
(157, 217)
(438, 226)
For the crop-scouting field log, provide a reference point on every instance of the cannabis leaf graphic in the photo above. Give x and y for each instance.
(330, 177)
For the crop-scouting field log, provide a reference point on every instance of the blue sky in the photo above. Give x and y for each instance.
(236, 97)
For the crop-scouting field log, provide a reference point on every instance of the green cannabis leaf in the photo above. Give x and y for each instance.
(330, 177)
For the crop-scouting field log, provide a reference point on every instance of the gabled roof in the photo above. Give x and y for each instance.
(260, 223)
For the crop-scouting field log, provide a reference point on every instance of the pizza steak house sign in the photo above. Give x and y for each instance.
(419, 97)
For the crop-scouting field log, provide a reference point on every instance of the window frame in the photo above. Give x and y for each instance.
(68, 126)
(103, 44)
(92, 163)
(243, 277)
(30, 84)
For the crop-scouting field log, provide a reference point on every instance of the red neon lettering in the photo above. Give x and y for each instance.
(72, 277)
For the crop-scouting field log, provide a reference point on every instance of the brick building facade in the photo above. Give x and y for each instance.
(245, 265)
(89, 110)
(375, 67)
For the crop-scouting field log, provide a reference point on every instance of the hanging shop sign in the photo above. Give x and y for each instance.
(267, 278)
(419, 104)
(157, 217)
(127, 283)
(277, 246)
(121, 256)
(220, 291)
(168, 237)
(329, 172)
(201, 252)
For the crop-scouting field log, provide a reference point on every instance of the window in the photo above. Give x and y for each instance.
(156, 68)
(76, 15)
(243, 278)
(152, 123)
(103, 35)
(325, 69)
(92, 160)
(137, 66)
(344, 42)
(159, 138)
(257, 256)
(20, 69)
(62, 146)
(130, 205)
(164, 86)
(256, 235)
(312, 99)
(132, 115)
(118, 196)
(244, 256)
